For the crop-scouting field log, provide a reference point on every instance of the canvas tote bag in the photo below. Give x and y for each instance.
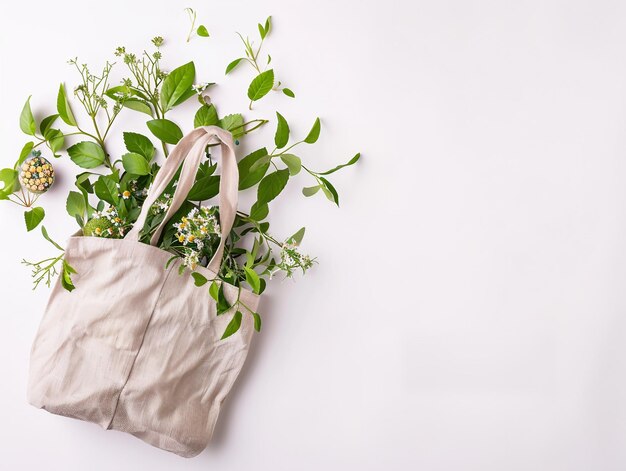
(136, 347)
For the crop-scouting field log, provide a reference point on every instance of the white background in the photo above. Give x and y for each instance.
(468, 309)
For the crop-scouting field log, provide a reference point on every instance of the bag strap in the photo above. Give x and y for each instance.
(189, 151)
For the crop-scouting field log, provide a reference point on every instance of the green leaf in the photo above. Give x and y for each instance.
(293, 163)
(296, 239)
(271, 185)
(330, 191)
(310, 190)
(55, 139)
(206, 116)
(138, 105)
(47, 123)
(257, 321)
(314, 133)
(84, 185)
(282, 132)
(139, 144)
(165, 130)
(66, 278)
(135, 164)
(213, 290)
(248, 177)
(222, 303)
(202, 31)
(231, 121)
(75, 204)
(33, 217)
(120, 92)
(204, 188)
(176, 85)
(199, 279)
(10, 182)
(63, 107)
(188, 94)
(87, 154)
(352, 161)
(27, 121)
(268, 25)
(289, 93)
(263, 161)
(252, 278)
(26, 150)
(233, 325)
(230, 67)
(258, 212)
(44, 232)
(106, 189)
(261, 85)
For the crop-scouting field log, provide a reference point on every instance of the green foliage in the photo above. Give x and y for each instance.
(293, 163)
(253, 279)
(202, 31)
(261, 86)
(87, 154)
(352, 161)
(75, 205)
(135, 164)
(271, 185)
(281, 137)
(205, 116)
(27, 121)
(248, 177)
(63, 107)
(230, 67)
(10, 183)
(222, 304)
(106, 189)
(177, 86)
(314, 133)
(139, 144)
(66, 276)
(233, 325)
(165, 130)
(110, 195)
(199, 279)
(33, 217)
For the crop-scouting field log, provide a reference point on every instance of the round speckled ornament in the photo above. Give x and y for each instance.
(36, 174)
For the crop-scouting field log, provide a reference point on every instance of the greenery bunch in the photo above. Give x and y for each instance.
(110, 190)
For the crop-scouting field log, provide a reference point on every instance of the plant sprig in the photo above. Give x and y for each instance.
(264, 81)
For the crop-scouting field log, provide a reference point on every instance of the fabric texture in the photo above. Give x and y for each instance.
(136, 346)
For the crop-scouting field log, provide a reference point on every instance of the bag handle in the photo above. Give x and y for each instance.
(189, 151)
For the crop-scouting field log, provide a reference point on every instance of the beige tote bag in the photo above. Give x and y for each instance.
(136, 347)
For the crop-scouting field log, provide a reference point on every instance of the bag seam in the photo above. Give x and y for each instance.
(132, 367)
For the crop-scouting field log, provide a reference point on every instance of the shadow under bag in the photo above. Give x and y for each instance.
(136, 347)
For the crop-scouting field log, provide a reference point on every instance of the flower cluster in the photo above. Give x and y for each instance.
(37, 174)
(161, 205)
(198, 232)
(106, 224)
(291, 259)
